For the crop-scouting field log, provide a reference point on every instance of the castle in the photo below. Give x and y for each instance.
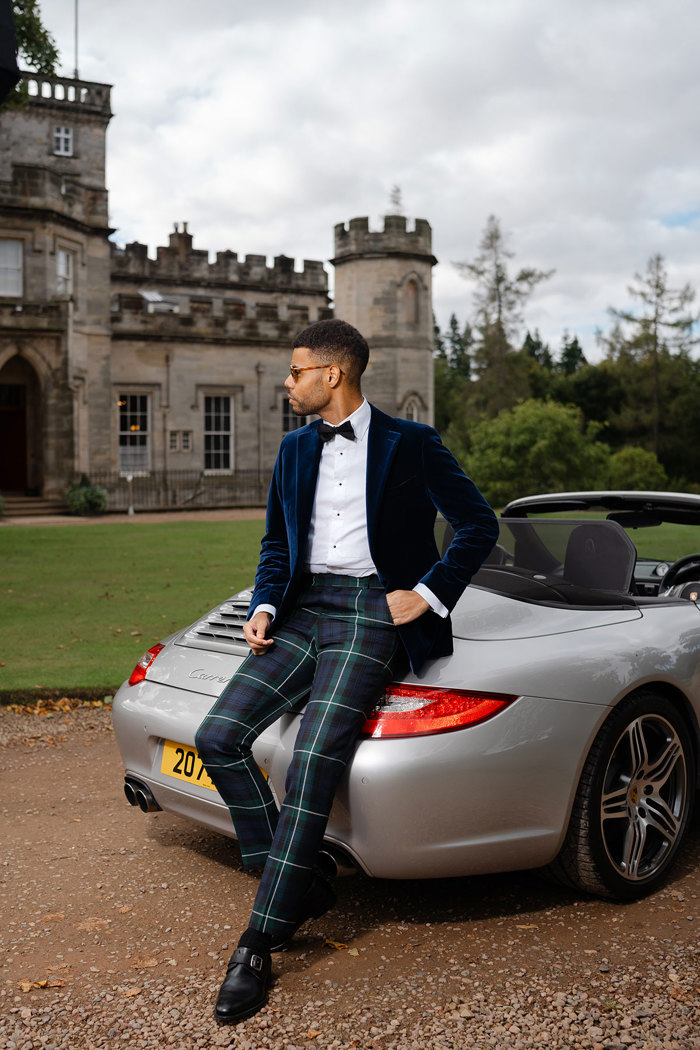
(162, 379)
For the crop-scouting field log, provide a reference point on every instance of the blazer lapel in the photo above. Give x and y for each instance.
(382, 446)
(308, 457)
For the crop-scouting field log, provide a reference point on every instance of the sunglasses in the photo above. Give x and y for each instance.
(295, 372)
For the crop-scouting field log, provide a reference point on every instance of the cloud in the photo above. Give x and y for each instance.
(265, 124)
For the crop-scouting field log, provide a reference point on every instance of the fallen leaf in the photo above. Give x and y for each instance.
(529, 926)
(144, 963)
(54, 916)
(353, 951)
(311, 1034)
(55, 983)
(336, 944)
(132, 991)
(125, 909)
(27, 986)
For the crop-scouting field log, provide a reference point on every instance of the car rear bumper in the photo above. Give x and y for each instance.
(491, 797)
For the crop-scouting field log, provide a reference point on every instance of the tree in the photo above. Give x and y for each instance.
(499, 299)
(664, 325)
(539, 366)
(451, 373)
(635, 468)
(36, 48)
(534, 347)
(571, 356)
(457, 347)
(538, 446)
(438, 339)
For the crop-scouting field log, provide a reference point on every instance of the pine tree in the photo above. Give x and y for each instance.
(571, 356)
(664, 325)
(499, 299)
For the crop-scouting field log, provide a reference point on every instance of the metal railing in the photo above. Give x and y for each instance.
(182, 489)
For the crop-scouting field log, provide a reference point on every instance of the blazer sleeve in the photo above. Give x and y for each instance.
(273, 572)
(474, 522)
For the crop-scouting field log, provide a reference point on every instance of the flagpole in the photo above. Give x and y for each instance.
(76, 74)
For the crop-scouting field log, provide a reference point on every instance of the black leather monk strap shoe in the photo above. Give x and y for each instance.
(245, 986)
(317, 900)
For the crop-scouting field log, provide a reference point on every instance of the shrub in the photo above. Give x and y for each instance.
(86, 498)
(2, 506)
(635, 468)
(538, 446)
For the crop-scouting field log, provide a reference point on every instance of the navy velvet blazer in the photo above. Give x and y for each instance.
(410, 475)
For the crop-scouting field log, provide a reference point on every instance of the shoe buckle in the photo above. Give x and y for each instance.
(256, 962)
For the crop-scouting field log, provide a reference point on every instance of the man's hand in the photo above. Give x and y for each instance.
(405, 606)
(255, 630)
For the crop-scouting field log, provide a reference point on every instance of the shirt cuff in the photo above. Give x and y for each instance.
(434, 603)
(269, 609)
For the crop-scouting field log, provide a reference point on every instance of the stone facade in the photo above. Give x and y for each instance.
(113, 363)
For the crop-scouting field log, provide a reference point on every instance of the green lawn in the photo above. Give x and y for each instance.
(80, 604)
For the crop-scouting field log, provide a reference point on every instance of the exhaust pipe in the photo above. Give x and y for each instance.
(138, 794)
(334, 862)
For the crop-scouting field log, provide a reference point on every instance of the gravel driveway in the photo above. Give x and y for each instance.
(117, 928)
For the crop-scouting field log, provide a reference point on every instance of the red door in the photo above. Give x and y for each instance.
(13, 437)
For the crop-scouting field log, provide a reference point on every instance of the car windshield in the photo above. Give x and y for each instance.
(575, 561)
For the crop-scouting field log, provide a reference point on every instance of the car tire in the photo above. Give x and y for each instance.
(633, 803)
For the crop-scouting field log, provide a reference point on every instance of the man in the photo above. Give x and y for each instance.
(350, 586)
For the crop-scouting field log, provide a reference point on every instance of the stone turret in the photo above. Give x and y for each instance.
(54, 229)
(383, 286)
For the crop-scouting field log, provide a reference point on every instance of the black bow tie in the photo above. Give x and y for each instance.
(326, 432)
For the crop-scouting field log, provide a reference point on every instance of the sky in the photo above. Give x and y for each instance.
(263, 123)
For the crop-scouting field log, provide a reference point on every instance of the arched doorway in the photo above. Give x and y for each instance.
(20, 428)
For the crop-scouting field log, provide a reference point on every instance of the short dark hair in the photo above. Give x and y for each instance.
(336, 340)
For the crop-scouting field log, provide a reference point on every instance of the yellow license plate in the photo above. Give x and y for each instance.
(183, 762)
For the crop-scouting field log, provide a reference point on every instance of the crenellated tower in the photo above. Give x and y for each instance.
(383, 286)
(54, 284)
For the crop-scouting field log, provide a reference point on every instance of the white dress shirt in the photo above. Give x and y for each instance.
(338, 541)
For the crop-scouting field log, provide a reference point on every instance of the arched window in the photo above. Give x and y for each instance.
(411, 408)
(411, 301)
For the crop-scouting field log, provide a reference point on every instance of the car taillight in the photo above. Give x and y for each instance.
(139, 672)
(407, 710)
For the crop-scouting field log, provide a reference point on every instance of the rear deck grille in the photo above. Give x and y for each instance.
(223, 627)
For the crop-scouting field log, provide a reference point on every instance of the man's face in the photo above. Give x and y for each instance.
(310, 392)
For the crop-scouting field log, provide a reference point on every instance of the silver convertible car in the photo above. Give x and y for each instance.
(562, 733)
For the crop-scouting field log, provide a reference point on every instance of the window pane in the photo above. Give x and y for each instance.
(63, 140)
(64, 268)
(10, 267)
(133, 433)
(217, 432)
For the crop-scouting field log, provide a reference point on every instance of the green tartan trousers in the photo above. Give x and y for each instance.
(338, 648)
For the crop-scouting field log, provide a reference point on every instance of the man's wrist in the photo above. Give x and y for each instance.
(434, 603)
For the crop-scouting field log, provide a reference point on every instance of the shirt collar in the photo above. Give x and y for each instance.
(360, 419)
